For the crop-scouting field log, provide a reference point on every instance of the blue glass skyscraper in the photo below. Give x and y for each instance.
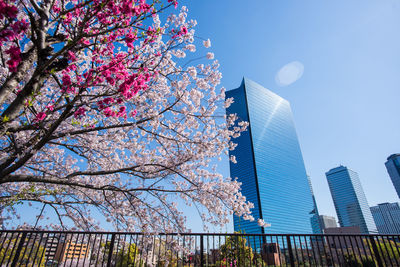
(387, 217)
(269, 162)
(393, 168)
(349, 199)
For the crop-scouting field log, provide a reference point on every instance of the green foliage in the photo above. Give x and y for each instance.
(130, 256)
(30, 254)
(353, 261)
(235, 252)
(387, 249)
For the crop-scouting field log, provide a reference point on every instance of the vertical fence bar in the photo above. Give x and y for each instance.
(29, 240)
(14, 245)
(322, 241)
(44, 249)
(64, 249)
(376, 251)
(297, 260)
(21, 243)
(207, 250)
(319, 255)
(111, 250)
(117, 248)
(393, 251)
(358, 242)
(87, 249)
(201, 251)
(308, 254)
(289, 245)
(383, 248)
(98, 253)
(136, 248)
(397, 248)
(313, 250)
(8, 245)
(341, 249)
(365, 251)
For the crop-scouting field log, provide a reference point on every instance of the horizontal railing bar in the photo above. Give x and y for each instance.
(188, 234)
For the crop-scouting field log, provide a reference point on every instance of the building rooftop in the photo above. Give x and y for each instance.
(393, 156)
(336, 169)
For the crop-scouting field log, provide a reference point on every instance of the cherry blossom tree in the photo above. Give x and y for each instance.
(100, 110)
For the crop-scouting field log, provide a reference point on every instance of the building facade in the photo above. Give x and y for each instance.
(327, 222)
(269, 162)
(349, 199)
(70, 251)
(314, 220)
(387, 218)
(393, 167)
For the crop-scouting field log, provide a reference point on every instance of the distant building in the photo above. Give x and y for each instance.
(270, 253)
(349, 199)
(343, 230)
(71, 251)
(387, 218)
(52, 245)
(344, 241)
(393, 167)
(327, 222)
(269, 164)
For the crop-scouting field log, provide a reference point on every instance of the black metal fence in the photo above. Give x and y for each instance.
(52, 248)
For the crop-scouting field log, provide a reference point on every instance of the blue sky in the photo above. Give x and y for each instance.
(345, 105)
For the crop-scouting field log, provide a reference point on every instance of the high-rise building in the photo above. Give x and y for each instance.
(269, 162)
(327, 222)
(387, 217)
(315, 223)
(349, 199)
(393, 168)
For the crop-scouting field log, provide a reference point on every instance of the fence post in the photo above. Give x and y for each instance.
(21, 243)
(111, 250)
(201, 251)
(290, 251)
(376, 251)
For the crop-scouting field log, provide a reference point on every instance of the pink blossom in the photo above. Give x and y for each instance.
(7, 10)
(184, 30)
(40, 116)
(20, 26)
(122, 112)
(66, 79)
(68, 18)
(15, 58)
(175, 2)
(56, 9)
(133, 113)
(71, 56)
(108, 100)
(79, 112)
(108, 112)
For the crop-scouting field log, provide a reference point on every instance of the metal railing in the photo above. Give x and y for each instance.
(54, 248)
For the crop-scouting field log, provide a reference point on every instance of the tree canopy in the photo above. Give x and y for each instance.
(100, 109)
